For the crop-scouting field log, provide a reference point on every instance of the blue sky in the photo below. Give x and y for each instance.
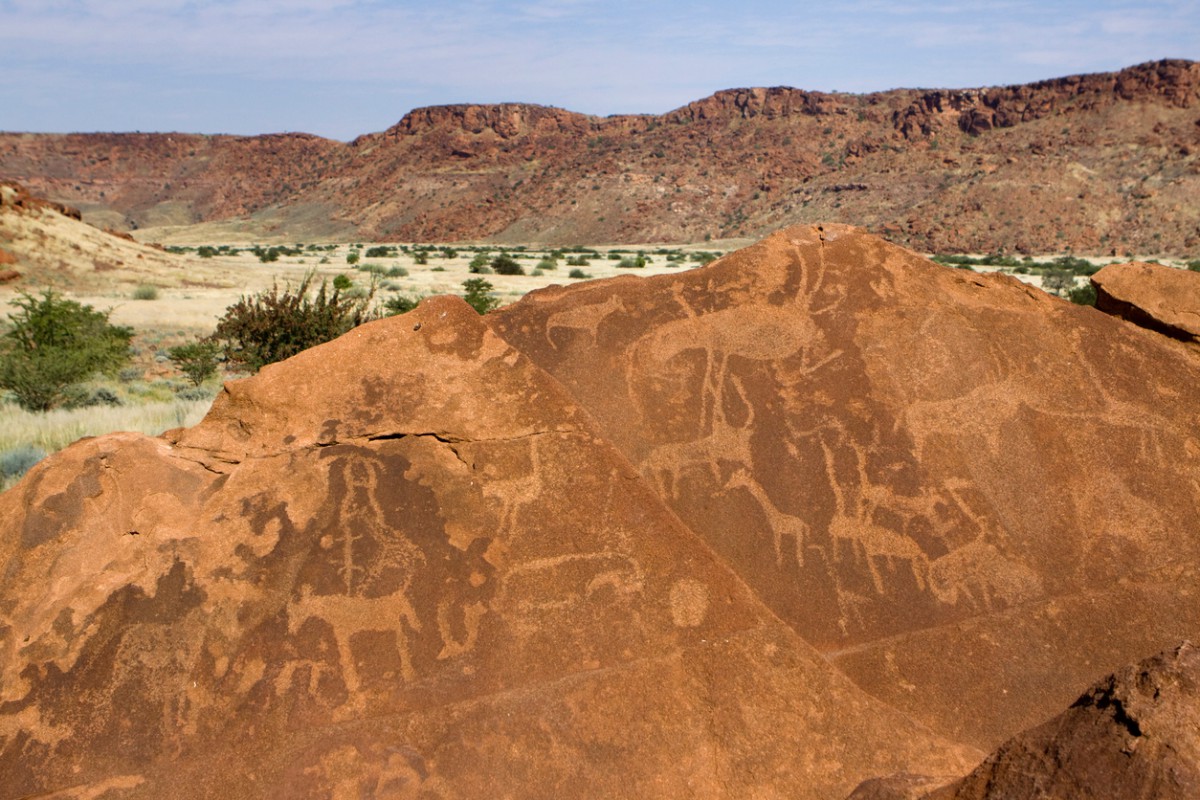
(340, 68)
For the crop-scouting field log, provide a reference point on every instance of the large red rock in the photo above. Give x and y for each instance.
(974, 498)
(1134, 734)
(1153, 296)
(404, 564)
(818, 513)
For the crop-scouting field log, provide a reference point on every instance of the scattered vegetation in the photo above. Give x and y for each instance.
(479, 295)
(196, 360)
(54, 343)
(145, 292)
(504, 264)
(400, 304)
(277, 324)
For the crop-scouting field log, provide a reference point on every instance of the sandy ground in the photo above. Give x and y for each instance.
(105, 271)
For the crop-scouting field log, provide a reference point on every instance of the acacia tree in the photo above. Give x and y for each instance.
(54, 343)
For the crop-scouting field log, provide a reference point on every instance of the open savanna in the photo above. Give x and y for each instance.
(178, 294)
(173, 297)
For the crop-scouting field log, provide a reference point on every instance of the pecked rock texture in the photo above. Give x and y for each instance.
(1156, 297)
(1134, 734)
(404, 564)
(973, 498)
(818, 513)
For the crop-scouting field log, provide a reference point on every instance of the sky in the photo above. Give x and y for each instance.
(341, 68)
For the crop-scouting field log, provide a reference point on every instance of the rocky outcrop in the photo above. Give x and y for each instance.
(711, 533)
(422, 573)
(903, 461)
(1134, 734)
(1159, 298)
(53, 247)
(14, 197)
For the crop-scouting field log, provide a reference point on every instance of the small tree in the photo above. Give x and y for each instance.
(478, 295)
(504, 264)
(273, 325)
(1058, 281)
(196, 360)
(54, 343)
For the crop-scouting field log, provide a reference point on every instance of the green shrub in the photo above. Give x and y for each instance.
(1194, 266)
(631, 263)
(54, 343)
(577, 261)
(703, 257)
(1058, 281)
(400, 304)
(1084, 295)
(381, 251)
(479, 264)
(578, 273)
(206, 251)
(547, 263)
(504, 264)
(195, 393)
(342, 282)
(273, 325)
(197, 360)
(16, 462)
(397, 272)
(352, 258)
(80, 397)
(145, 292)
(478, 295)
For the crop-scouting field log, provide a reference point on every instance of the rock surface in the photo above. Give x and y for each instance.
(1135, 734)
(905, 461)
(818, 513)
(1095, 164)
(1153, 296)
(401, 564)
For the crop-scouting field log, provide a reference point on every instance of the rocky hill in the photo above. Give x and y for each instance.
(43, 243)
(817, 513)
(1101, 164)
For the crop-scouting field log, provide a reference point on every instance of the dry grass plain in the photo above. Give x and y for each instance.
(171, 296)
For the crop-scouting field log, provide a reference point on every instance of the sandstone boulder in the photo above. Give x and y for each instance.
(817, 513)
(1134, 734)
(966, 493)
(1153, 296)
(403, 564)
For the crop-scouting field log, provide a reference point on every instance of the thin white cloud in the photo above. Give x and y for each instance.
(249, 61)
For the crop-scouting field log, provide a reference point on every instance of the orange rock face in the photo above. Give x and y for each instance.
(404, 564)
(945, 481)
(1134, 734)
(817, 513)
(1153, 296)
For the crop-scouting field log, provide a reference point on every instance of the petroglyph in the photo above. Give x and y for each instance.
(782, 526)
(586, 318)
(689, 603)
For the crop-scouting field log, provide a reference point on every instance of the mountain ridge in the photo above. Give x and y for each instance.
(1103, 163)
